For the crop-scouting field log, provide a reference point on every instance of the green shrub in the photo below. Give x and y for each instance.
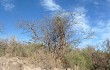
(75, 59)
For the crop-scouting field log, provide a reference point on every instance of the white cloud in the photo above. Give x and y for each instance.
(7, 4)
(8, 7)
(81, 18)
(102, 32)
(51, 5)
(81, 27)
(101, 29)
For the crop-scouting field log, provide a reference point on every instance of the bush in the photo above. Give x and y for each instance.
(3, 46)
(76, 60)
(2, 51)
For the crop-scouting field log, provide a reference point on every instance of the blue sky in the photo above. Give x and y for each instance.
(95, 15)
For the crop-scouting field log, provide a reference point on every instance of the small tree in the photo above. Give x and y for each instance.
(57, 31)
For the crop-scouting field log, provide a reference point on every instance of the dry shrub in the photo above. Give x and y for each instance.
(36, 53)
(46, 60)
(3, 46)
(2, 50)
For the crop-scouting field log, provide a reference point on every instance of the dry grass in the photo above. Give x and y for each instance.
(34, 52)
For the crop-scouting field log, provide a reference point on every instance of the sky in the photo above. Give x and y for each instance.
(95, 15)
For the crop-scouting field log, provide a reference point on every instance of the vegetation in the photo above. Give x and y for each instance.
(52, 46)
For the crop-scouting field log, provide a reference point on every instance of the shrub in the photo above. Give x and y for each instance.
(76, 60)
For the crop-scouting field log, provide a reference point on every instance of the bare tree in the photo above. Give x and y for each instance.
(56, 32)
(106, 45)
(59, 31)
(101, 58)
(31, 28)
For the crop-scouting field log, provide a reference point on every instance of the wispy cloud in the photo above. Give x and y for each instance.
(102, 32)
(81, 18)
(50, 5)
(101, 29)
(81, 27)
(7, 4)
